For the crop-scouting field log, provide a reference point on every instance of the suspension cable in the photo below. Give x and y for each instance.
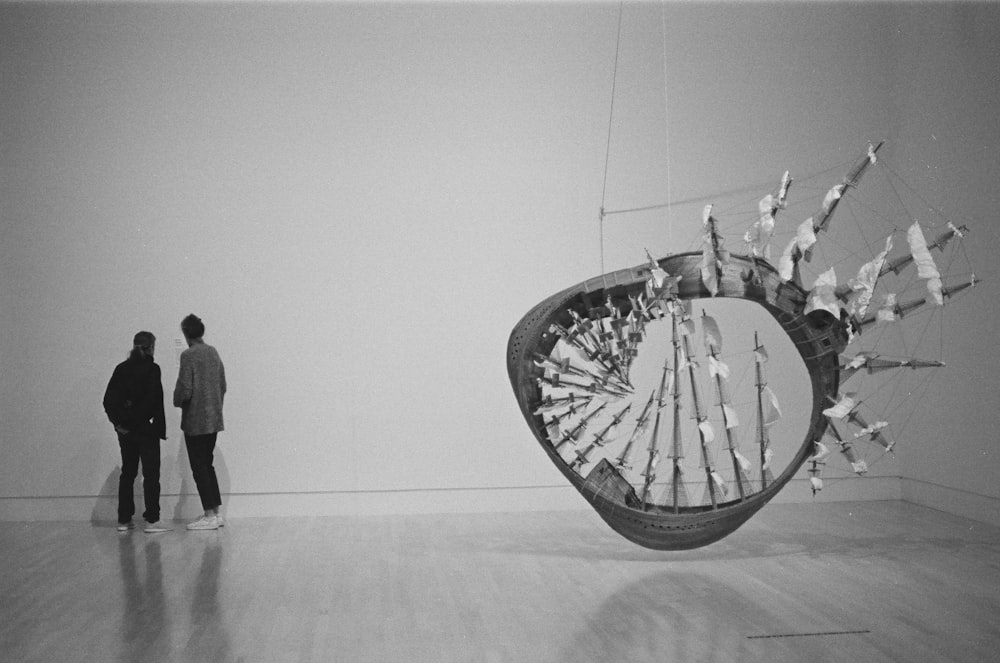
(611, 114)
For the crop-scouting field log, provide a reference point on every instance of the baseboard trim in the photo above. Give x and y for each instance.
(981, 508)
(100, 508)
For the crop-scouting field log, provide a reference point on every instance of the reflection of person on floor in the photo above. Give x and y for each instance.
(133, 402)
(200, 389)
(144, 610)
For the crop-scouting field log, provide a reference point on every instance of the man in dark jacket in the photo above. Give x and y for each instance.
(133, 402)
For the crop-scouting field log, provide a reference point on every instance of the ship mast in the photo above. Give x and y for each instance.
(700, 418)
(718, 369)
(762, 436)
(649, 473)
(676, 449)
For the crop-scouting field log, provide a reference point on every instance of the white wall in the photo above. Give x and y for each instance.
(947, 91)
(361, 200)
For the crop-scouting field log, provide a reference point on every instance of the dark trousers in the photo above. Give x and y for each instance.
(135, 449)
(200, 450)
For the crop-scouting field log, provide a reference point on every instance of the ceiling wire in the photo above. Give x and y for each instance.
(611, 114)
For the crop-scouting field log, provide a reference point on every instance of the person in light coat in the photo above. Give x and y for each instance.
(199, 393)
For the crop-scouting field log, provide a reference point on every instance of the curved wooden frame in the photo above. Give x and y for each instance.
(818, 337)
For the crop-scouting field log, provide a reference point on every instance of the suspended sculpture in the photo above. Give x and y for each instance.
(570, 361)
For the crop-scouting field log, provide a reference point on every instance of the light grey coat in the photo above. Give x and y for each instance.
(201, 386)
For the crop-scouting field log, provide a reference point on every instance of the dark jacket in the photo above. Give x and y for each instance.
(134, 397)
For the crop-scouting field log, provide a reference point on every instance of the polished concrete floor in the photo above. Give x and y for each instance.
(861, 581)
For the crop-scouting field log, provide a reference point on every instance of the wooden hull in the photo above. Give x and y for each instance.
(818, 337)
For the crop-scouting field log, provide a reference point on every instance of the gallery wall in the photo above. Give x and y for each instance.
(360, 200)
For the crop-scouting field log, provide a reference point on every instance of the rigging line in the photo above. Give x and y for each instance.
(611, 115)
(688, 201)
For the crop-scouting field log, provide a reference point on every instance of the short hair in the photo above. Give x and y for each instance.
(193, 327)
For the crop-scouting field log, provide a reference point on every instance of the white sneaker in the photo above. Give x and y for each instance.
(205, 522)
(124, 527)
(155, 528)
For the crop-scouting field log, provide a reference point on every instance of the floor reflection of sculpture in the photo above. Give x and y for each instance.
(573, 364)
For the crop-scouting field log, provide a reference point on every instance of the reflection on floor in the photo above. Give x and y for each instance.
(862, 581)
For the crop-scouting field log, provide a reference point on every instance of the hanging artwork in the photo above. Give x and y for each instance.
(668, 468)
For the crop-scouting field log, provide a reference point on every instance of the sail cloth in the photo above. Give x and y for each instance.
(926, 269)
(758, 236)
(707, 432)
(820, 452)
(887, 313)
(823, 296)
(800, 246)
(732, 421)
(842, 408)
(720, 483)
(712, 334)
(863, 285)
(744, 463)
(713, 255)
(717, 368)
(769, 404)
(830, 201)
(760, 354)
(786, 263)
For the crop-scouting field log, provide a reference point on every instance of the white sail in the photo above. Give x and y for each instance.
(709, 276)
(805, 237)
(887, 313)
(758, 236)
(859, 360)
(713, 255)
(772, 413)
(745, 464)
(871, 430)
(717, 368)
(768, 455)
(720, 483)
(864, 284)
(707, 431)
(831, 198)
(711, 334)
(732, 421)
(760, 355)
(842, 408)
(926, 269)
(823, 296)
(786, 263)
(820, 451)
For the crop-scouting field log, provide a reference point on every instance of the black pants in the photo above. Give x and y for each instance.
(135, 449)
(200, 450)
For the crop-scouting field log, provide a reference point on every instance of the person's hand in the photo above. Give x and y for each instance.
(121, 429)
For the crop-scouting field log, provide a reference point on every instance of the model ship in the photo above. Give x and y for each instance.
(669, 469)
